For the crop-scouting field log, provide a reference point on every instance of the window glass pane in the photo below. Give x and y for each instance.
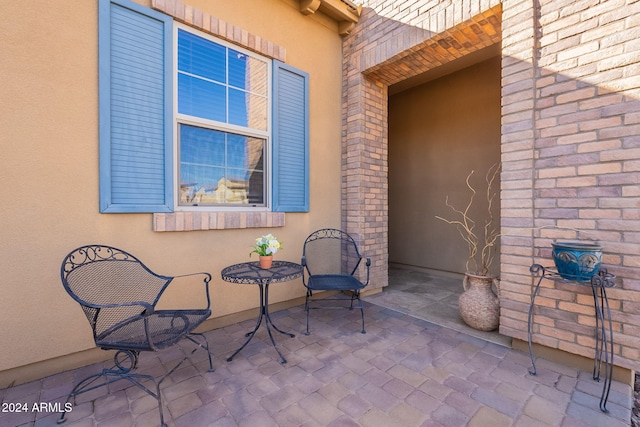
(220, 168)
(238, 107)
(245, 166)
(238, 69)
(257, 112)
(256, 184)
(256, 170)
(200, 144)
(247, 73)
(237, 151)
(201, 57)
(198, 184)
(201, 98)
(257, 75)
(246, 109)
(201, 163)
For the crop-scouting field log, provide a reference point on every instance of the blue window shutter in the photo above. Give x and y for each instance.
(135, 66)
(290, 139)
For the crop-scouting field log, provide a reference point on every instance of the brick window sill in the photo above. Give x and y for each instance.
(198, 221)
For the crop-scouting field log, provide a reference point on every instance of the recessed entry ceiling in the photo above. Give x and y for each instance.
(448, 68)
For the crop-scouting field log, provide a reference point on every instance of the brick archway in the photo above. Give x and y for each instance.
(383, 51)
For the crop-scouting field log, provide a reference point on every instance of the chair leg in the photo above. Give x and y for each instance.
(133, 378)
(121, 370)
(306, 308)
(203, 345)
(125, 361)
(357, 296)
(82, 387)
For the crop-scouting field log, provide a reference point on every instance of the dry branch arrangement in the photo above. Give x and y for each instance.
(482, 249)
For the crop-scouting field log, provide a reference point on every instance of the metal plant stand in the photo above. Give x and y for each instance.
(250, 273)
(604, 330)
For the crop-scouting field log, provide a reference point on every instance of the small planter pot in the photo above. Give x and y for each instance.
(265, 261)
(577, 261)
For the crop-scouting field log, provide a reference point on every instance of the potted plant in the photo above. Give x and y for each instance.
(266, 247)
(479, 305)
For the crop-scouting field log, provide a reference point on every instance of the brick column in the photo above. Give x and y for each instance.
(365, 206)
(517, 179)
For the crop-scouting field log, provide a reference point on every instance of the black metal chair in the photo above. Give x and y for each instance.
(330, 258)
(119, 294)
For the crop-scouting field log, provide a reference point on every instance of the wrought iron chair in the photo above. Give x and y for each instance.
(330, 258)
(119, 294)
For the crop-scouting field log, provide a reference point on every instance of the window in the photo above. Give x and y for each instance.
(236, 135)
(223, 116)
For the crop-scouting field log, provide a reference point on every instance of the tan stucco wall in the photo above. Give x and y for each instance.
(49, 176)
(438, 133)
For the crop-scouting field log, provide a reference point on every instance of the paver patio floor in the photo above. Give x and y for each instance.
(405, 371)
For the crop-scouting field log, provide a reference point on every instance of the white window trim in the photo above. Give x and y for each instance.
(225, 127)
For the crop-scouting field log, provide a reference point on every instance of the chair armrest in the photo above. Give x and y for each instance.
(147, 308)
(207, 276)
(206, 280)
(305, 270)
(368, 264)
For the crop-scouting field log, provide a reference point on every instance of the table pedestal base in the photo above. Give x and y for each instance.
(264, 314)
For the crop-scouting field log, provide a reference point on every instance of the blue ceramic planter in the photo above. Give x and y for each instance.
(577, 260)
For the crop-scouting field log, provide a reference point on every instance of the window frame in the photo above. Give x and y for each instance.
(136, 126)
(223, 127)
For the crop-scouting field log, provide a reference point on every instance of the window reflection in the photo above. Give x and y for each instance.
(218, 167)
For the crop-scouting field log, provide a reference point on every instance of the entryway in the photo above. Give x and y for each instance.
(442, 130)
(432, 297)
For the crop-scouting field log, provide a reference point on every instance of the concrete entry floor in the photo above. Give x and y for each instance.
(432, 297)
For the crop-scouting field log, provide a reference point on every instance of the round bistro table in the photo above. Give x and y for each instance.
(250, 273)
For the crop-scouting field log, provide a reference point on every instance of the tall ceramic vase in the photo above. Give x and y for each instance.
(479, 305)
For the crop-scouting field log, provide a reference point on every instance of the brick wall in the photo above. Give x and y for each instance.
(587, 139)
(570, 143)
